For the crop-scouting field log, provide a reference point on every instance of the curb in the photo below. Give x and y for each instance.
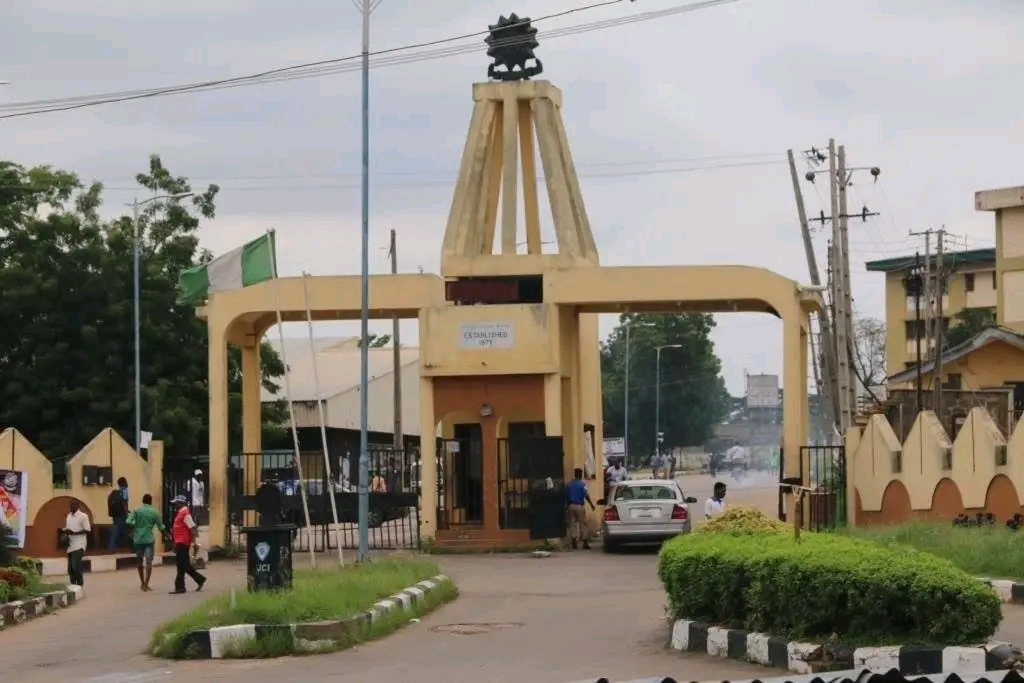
(809, 658)
(308, 637)
(1009, 592)
(12, 613)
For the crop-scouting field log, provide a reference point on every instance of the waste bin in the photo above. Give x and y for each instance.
(269, 557)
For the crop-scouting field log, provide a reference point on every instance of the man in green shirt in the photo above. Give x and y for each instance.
(143, 520)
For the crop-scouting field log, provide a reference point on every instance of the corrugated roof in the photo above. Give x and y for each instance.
(856, 676)
(983, 338)
(337, 362)
(898, 263)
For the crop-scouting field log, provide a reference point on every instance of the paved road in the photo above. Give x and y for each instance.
(557, 619)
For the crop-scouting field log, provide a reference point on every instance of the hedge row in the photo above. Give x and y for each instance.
(825, 587)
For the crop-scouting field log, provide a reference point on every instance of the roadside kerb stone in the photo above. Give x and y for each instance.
(18, 611)
(810, 658)
(215, 643)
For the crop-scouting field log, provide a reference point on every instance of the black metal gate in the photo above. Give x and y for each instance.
(513, 484)
(393, 498)
(544, 469)
(823, 469)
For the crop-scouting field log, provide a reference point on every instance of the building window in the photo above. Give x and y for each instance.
(994, 281)
(969, 282)
(914, 329)
(954, 381)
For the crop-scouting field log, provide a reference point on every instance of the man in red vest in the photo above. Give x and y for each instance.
(184, 535)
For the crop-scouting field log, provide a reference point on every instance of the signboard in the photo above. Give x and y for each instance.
(614, 448)
(14, 504)
(486, 336)
(762, 391)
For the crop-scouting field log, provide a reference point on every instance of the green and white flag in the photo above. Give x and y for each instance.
(250, 264)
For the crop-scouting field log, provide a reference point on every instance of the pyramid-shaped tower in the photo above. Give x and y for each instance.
(507, 118)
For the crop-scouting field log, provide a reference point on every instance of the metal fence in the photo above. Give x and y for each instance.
(393, 499)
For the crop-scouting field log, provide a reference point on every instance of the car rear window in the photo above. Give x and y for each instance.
(650, 492)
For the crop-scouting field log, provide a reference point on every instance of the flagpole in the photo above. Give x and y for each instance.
(288, 392)
(329, 483)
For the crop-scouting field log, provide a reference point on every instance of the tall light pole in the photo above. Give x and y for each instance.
(365, 7)
(625, 399)
(136, 284)
(657, 396)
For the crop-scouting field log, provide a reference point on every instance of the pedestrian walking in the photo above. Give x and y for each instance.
(576, 495)
(117, 508)
(184, 535)
(76, 534)
(143, 521)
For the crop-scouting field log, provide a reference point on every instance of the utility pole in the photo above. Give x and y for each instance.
(826, 385)
(913, 285)
(926, 293)
(839, 299)
(365, 7)
(396, 343)
(940, 286)
(844, 241)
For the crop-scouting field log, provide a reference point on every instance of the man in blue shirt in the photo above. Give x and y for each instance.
(576, 495)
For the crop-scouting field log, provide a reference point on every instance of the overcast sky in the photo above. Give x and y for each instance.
(686, 118)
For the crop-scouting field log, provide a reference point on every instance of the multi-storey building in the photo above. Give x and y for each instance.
(971, 283)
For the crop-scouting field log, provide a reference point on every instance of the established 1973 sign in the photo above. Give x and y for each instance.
(486, 336)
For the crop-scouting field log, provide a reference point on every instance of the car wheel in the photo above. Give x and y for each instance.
(609, 546)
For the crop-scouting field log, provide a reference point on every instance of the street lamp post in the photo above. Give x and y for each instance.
(136, 285)
(657, 397)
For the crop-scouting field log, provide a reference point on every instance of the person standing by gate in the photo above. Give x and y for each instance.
(76, 532)
(184, 536)
(117, 508)
(576, 494)
(197, 491)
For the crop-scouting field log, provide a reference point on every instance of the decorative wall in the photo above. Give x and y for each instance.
(48, 504)
(929, 476)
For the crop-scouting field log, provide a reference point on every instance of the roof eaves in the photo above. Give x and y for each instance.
(898, 263)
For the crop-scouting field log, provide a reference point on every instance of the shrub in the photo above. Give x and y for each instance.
(13, 577)
(742, 520)
(5, 592)
(825, 586)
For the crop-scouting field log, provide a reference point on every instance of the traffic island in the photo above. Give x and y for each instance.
(325, 610)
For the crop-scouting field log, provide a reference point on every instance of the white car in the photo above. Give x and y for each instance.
(644, 511)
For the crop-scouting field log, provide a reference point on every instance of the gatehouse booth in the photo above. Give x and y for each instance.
(510, 378)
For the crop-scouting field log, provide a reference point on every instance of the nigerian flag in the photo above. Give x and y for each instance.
(250, 264)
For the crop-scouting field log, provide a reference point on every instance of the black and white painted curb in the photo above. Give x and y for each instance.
(15, 612)
(808, 658)
(215, 643)
(1011, 592)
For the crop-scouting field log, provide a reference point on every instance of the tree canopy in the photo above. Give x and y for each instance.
(967, 324)
(66, 346)
(693, 394)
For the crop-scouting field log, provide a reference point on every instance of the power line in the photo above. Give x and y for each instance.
(451, 181)
(387, 57)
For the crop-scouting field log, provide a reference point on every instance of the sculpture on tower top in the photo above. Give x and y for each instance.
(511, 44)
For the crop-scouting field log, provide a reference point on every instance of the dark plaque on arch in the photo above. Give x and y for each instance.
(511, 44)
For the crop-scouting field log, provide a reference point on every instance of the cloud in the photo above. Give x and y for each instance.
(918, 88)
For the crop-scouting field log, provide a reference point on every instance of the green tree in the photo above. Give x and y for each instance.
(967, 324)
(66, 348)
(693, 394)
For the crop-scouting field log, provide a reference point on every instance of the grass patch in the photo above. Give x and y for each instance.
(281, 645)
(316, 595)
(990, 552)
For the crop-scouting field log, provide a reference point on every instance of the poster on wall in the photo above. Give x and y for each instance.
(14, 505)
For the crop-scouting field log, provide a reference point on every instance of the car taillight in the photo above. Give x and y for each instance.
(611, 514)
(679, 512)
